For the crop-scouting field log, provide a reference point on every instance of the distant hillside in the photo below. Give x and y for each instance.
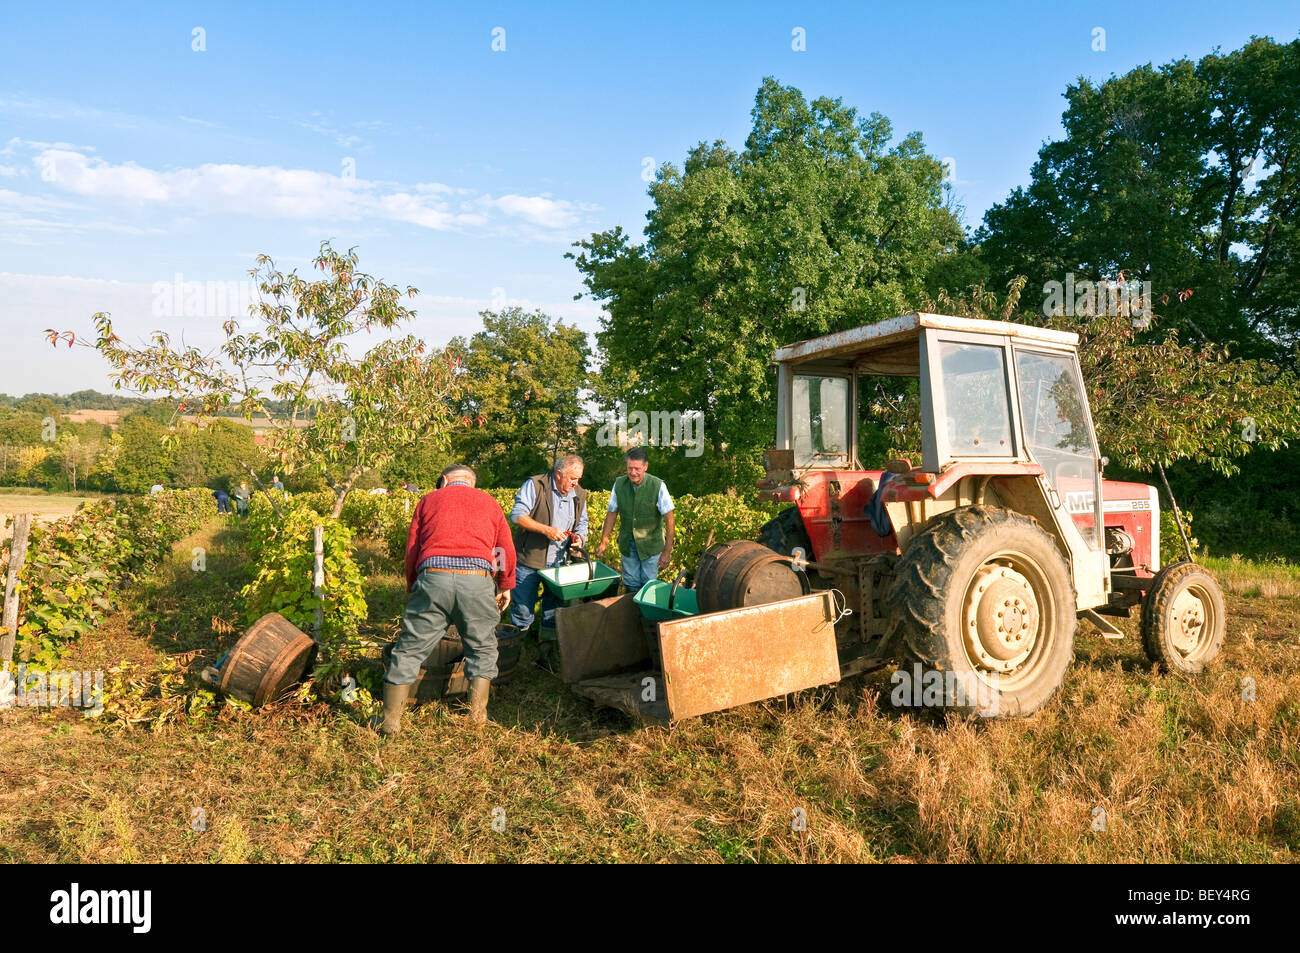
(92, 400)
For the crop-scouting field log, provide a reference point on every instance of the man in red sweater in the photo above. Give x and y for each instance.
(459, 542)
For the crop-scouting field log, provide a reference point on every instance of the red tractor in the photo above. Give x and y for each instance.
(970, 570)
(979, 560)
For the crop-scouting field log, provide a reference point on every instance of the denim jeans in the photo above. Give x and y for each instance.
(524, 598)
(467, 601)
(637, 571)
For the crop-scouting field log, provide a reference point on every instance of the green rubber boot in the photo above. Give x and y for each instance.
(390, 723)
(478, 699)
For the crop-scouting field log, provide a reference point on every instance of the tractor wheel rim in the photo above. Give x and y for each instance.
(1007, 619)
(1192, 622)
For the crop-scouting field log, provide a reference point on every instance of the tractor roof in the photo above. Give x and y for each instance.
(893, 347)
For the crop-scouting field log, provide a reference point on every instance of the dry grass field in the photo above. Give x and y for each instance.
(1185, 769)
(45, 507)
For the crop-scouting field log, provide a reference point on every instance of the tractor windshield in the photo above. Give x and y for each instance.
(1054, 410)
(821, 421)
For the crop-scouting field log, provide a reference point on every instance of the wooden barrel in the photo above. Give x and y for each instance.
(745, 573)
(448, 678)
(440, 682)
(268, 659)
(510, 645)
(448, 650)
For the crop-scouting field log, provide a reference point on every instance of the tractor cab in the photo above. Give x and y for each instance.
(1003, 411)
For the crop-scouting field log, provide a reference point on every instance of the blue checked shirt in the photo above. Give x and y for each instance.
(454, 562)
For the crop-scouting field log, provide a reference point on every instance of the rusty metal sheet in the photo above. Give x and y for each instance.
(599, 637)
(730, 658)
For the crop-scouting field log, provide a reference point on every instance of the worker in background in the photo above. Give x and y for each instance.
(547, 508)
(223, 500)
(460, 568)
(645, 534)
(242, 496)
(157, 488)
(276, 484)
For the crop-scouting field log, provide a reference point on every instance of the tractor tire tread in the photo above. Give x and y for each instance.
(1157, 601)
(925, 571)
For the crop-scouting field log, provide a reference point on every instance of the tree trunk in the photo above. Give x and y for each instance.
(341, 491)
(1178, 516)
(318, 578)
(17, 555)
(265, 492)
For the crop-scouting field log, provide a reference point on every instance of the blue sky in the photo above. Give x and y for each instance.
(127, 157)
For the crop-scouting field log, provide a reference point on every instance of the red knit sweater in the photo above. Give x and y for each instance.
(459, 520)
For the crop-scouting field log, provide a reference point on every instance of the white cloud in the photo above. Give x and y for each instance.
(538, 209)
(14, 145)
(274, 192)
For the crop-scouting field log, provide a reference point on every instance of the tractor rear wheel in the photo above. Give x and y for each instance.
(984, 610)
(1183, 618)
(786, 533)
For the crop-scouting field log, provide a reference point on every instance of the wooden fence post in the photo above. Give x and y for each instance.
(17, 556)
(318, 578)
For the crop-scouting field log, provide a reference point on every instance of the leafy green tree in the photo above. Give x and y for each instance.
(1185, 175)
(75, 457)
(521, 378)
(817, 225)
(144, 457)
(20, 428)
(210, 456)
(291, 363)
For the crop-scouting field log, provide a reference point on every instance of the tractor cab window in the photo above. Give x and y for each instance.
(977, 411)
(820, 428)
(1054, 411)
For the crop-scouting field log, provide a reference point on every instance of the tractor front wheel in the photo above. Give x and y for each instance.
(984, 610)
(1183, 618)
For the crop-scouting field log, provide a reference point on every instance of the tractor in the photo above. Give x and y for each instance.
(974, 564)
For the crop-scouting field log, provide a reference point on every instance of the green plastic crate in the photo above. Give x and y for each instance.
(579, 580)
(655, 597)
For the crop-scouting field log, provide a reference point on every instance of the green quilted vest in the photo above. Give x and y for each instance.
(640, 518)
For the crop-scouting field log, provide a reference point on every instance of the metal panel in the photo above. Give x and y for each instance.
(931, 376)
(724, 659)
(599, 637)
(784, 407)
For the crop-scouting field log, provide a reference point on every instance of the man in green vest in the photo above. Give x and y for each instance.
(645, 535)
(547, 508)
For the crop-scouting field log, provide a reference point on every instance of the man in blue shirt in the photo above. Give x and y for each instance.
(648, 522)
(547, 507)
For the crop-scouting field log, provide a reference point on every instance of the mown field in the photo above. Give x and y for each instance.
(1185, 769)
(44, 506)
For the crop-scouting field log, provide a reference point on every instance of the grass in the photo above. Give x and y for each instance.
(1185, 769)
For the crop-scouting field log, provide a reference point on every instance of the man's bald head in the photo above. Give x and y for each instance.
(458, 472)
